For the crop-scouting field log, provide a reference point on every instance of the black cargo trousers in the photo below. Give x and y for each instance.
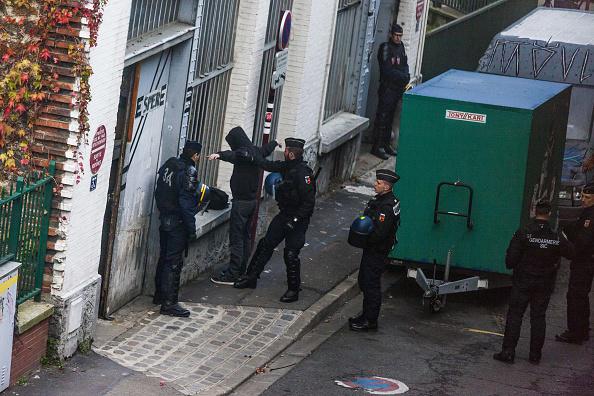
(534, 291)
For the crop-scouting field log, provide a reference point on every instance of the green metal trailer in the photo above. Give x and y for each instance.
(476, 152)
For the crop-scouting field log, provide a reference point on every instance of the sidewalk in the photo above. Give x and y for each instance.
(230, 332)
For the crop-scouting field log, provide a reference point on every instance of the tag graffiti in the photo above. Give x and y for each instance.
(151, 101)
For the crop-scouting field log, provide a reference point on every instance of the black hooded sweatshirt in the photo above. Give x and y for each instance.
(245, 158)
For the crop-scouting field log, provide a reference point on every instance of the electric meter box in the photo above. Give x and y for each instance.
(476, 152)
(8, 296)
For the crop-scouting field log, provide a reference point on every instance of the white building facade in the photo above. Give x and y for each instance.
(193, 69)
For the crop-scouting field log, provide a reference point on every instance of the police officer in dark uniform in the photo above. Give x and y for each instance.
(178, 195)
(394, 76)
(296, 196)
(533, 254)
(581, 273)
(384, 211)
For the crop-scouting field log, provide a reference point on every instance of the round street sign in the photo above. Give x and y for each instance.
(284, 31)
(98, 149)
(374, 385)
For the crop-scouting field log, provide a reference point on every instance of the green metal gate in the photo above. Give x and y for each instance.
(24, 222)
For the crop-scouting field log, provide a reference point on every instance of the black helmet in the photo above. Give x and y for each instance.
(360, 230)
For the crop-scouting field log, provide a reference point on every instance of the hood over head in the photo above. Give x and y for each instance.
(237, 138)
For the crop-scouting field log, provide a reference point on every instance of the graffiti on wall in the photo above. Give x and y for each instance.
(540, 60)
(545, 188)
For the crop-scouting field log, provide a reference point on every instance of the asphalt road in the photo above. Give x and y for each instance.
(448, 353)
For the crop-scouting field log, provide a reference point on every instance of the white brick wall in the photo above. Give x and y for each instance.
(245, 77)
(85, 223)
(309, 55)
(412, 38)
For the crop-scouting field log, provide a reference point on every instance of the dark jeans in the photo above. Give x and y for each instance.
(387, 102)
(536, 293)
(173, 239)
(578, 301)
(240, 241)
(370, 275)
(294, 241)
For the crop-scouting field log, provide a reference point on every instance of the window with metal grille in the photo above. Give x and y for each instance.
(149, 15)
(211, 70)
(343, 79)
(274, 14)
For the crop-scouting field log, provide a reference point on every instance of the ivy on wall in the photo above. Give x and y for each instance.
(43, 58)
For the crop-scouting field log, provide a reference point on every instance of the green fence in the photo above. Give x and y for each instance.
(461, 43)
(464, 6)
(25, 209)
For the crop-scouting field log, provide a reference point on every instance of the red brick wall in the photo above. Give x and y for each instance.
(28, 349)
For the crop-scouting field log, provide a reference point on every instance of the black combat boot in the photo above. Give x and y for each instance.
(293, 276)
(157, 298)
(363, 325)
(568, 337)
(379, 152)
(505, 356)
(170, 290)
(534, 357)
(389, 150)
(255, 268)
(357, 319)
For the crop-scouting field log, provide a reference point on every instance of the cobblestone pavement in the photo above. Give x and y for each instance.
(197, 353)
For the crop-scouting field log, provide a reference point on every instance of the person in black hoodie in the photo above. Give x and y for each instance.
(245, 158)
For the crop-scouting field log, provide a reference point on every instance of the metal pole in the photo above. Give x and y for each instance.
(446, 275)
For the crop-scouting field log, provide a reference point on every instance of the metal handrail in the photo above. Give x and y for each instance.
(467, 215)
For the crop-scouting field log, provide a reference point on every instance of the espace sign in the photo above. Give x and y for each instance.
(465, 116)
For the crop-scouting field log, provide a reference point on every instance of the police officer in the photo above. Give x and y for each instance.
(384, 211)
(394, 76)
(296, 196)
(178, 196)
(533, 254)
(581, 272)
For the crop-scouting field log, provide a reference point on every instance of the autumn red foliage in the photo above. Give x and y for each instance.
(39, 41)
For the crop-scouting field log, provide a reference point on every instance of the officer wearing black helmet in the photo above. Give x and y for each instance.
(178, 195)
(533, 254)
(581, 233)
(384, 211)
(296, 197)
(394, 76)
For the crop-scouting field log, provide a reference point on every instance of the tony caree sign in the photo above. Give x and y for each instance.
(466, 116)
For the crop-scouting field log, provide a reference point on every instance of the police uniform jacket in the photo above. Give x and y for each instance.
(384, 211)
(296, 193)
(177, 191)
(393, 63)
(535, 250)
(581, 233)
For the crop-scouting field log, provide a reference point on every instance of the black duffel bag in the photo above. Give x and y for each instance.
(219, 199)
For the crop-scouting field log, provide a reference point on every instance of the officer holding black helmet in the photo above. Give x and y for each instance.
(581, 233)
(178, 195)
(384, 211)
(296, 197)
(533, 254)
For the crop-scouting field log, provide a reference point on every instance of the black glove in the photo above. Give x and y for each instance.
(290, 225)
